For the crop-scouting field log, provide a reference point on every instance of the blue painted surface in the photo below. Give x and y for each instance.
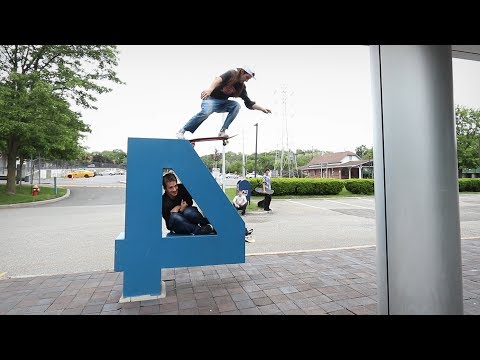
(142, 250)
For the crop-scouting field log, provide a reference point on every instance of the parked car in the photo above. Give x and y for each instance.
(116, 172)
(80, 173)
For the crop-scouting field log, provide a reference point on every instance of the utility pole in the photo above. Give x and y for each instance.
(256, 141)
(288, 157)
(244, 172)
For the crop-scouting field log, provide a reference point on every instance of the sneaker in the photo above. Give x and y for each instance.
(249, 239)
(248, 232)
(181, 135)
(206, 229)
(267, 210)
(222, 133)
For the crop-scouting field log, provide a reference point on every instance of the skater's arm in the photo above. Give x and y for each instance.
(252, 105)
(216, 83)
(261, 108)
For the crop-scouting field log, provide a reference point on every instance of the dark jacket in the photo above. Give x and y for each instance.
(168, 204)
(223, 92)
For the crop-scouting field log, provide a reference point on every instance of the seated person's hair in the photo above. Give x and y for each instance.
(168, 178)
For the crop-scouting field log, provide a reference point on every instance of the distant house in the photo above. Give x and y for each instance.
(340, 165)
(471, 173)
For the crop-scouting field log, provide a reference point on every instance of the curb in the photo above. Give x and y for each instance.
(36, 203)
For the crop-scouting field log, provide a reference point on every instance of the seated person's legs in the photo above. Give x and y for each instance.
(193, 215)
(179, 224)
(243, 208)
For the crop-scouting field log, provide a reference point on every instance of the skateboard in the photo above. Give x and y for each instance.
(260, 191)
(212, 138)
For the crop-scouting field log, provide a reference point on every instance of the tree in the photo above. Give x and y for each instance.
(235, 167)
(57, 130)
(368, 154)
(36, 84)
(468, 138)
(216, 157)
(116, 156)
(100, 157)
(360, 151)
(364, 153)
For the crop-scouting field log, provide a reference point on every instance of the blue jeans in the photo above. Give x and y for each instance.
(187, 222)
(209, 106)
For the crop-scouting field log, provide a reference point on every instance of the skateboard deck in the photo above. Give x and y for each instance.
(260, 191)
(212, 138)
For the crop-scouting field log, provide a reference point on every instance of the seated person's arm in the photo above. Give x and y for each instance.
(185, 195)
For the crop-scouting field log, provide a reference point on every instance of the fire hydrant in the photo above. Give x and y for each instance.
(35, 190)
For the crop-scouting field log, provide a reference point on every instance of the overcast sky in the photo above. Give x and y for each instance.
(320, 96)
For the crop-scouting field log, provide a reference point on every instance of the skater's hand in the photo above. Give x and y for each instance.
(205, 94)
(266, 111)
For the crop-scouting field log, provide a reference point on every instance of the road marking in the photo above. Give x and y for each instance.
(303, 204)
(330, 249)
(308, 251)
(470, 238)
(339, 202)
(364, 199)
(323, 208)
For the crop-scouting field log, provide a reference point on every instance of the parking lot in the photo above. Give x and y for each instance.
(311, 256)
(77, 234)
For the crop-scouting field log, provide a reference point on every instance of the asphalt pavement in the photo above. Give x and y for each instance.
(311, 256)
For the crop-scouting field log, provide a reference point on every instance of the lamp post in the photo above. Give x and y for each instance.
(256, 140)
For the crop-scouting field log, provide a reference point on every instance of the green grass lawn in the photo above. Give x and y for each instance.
(24, 194)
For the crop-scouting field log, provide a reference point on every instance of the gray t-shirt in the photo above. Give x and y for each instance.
(266, 181)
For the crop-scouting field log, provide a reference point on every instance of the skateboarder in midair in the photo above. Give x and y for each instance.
(216, 99)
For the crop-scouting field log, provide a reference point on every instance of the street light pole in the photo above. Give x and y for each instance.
(256, 140)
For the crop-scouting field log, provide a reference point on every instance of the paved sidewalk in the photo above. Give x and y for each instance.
(334, 282)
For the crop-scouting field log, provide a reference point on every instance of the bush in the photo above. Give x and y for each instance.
(296, 186)
(360, 186)
(469, 185)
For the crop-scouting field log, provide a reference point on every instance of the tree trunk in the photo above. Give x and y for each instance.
(12, 149)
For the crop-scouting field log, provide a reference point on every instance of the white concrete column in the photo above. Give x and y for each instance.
(417, 217)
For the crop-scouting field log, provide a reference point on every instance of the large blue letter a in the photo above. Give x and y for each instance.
(142, 250)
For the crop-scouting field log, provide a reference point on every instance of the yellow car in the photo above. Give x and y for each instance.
(80, 173)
